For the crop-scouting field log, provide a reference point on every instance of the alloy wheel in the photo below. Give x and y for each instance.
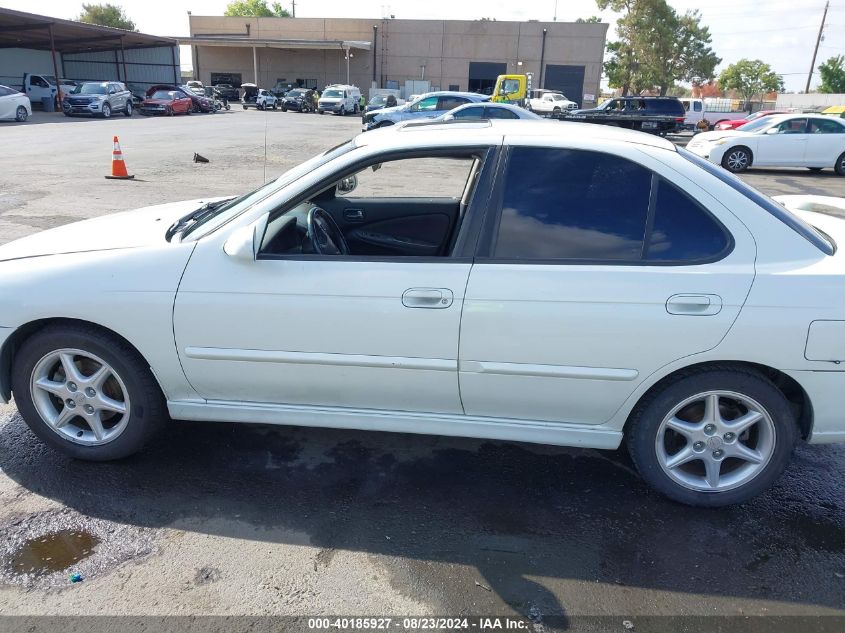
(80, 397)
(21, 114)
(737, 160)
(106, 110)
(715, 441)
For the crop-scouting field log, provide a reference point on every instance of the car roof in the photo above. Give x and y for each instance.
(461, 132)
(454, 93)
(776, 118)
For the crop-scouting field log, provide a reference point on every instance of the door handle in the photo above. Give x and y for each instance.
(353, 215)
(694, 304)
(432, 298)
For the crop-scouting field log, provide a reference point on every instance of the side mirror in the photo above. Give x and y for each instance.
(772, 130)
(241, 243)
(348, 184)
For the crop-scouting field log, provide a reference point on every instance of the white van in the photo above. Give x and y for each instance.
(340, 99)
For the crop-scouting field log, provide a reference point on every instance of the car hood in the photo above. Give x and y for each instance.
(398, 108)
(130, 229)
(158, 101)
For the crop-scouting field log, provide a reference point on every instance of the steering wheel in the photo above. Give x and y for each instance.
(326, 236)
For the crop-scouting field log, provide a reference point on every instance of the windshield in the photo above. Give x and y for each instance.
(163, 94)
(236, 206)
(558, 97)
(296, 93)
(90, 89)
(757, 125)
(333, 93)
(378, 100)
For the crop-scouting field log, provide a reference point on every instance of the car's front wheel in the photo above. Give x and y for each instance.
(106, 111)
(21, 114)
(86, 393)
(713, 437)
(736, 159)
(128, 110)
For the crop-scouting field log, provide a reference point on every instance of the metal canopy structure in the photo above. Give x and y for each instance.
(252, 42)
(27, 30)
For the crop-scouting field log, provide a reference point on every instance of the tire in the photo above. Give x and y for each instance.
(106, 111)
(357, 109)
(128, 110)
(320, 112)
(284, 108)
(739, 392)
(22, 115)
(839, 167)
(342, 111)
(556, 113)
(737, 159)
(274, 106)
(129, 376)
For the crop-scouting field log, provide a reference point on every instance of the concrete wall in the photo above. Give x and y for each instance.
(438, 51)
(812, 100)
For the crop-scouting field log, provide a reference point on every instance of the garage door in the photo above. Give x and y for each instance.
(482, 76)
(568, 79)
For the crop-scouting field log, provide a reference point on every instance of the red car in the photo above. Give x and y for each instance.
(732, 125)
(168, 100)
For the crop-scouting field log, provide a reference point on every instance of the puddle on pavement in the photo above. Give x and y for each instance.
(53, 552)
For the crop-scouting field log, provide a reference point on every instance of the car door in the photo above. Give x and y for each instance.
(595, 272)
(825, 142)
(358, 332)
(8, 104)
(783, 144)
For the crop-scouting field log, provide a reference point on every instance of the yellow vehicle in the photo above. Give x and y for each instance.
(835, 111)
(513, 89)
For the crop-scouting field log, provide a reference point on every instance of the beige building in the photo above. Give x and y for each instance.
(388, 53)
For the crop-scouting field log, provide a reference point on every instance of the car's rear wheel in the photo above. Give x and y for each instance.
(839, 168)
(86, 393)
(21, 114)
(106, 111)
(737, 159)
(128, 110)
(713, 437)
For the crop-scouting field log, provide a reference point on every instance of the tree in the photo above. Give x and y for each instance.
(833, 75)
(750, 77)
(593, 19)
(255, 8)
(657, 47)
(106, 15)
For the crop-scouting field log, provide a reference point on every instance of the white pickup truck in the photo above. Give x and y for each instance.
(549, 102)
(710, 110)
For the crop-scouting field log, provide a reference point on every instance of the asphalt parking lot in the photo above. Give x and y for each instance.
(250, 521)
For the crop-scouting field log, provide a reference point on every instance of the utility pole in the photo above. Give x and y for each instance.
(554, 19)
(293, 8)
(816, 49)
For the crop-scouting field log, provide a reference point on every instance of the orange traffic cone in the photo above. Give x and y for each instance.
(118, 167)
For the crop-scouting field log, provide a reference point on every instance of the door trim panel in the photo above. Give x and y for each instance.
(547, 371)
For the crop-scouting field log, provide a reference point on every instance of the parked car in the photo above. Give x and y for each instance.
(836, 111)
(229, 91)
(258, 98)
(428, 106)
(199, 101)
(487, 111)
(735, 123)
(706, 114)
(340, 99)
(14, 105)
(299, 99)
(98, 98)
(169, 100)
(38, 87)
(653, 325)
(382, 101)
(781, 140)
(195, 86)
(549, 102)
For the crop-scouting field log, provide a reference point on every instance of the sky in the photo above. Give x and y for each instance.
(780, 32)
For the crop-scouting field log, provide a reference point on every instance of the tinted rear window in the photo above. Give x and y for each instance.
(667, 106)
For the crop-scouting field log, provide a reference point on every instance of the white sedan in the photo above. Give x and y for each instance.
(530, 281)
(785, 140)
(487, 110)
(14, 105)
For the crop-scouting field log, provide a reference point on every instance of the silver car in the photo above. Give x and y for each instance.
(98, 98)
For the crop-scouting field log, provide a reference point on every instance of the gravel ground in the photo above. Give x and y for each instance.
(254, 521)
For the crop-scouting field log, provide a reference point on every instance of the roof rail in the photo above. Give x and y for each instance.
(435, 122)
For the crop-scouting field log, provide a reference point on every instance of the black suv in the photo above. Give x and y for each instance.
(229, 91)
(658, 115)
(299, 99)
